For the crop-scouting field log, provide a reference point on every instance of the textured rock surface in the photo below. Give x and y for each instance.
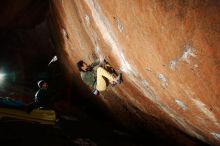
(168, 52)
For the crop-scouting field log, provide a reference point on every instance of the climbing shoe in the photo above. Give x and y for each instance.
(119, 78)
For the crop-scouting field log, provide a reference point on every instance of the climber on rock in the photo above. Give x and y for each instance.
(96, 75)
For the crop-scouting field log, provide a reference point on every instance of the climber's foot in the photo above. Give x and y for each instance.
(119, 78)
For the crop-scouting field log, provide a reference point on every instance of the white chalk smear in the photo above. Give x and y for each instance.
(119, 24)
(180, 121)
(181, 104)
(173, 64)
(108, 35)
(216, 135)
(202, 107)
(188, 52)
(87, 19)
(163, 80)
(145, 83)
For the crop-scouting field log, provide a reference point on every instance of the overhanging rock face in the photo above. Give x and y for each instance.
(168, 52)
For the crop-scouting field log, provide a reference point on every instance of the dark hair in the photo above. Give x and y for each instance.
(80, 64)
(40, 83)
